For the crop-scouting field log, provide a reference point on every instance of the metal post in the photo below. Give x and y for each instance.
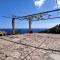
(30, 19)
(13, 25)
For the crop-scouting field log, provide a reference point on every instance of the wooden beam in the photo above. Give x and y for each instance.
(30, 19)
(40, 13)
(13, 26)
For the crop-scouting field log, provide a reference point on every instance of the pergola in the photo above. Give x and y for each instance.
(35, 17)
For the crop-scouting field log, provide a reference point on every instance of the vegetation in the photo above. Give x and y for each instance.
(55, 29)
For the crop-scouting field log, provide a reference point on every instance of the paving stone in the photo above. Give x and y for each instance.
(14, 51)
(2, 56)
(10, 58)
(40, 55)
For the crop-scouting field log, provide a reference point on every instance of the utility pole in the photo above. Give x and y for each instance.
(13, 25)
(30, 19)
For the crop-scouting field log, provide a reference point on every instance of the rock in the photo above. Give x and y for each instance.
(10, 58)
(2, 56)
(16, 54)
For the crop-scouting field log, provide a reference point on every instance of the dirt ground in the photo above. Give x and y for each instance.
(35, 46)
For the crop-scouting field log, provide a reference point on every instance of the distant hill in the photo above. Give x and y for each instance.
(55, 29)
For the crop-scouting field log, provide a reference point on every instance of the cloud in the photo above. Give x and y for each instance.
(58, 4)
(39, 3)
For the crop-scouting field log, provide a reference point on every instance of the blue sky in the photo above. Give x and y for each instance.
(26, 7)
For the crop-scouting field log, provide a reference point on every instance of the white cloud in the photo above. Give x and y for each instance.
(58, 4)
(39, 3)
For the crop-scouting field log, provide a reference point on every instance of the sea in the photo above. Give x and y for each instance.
(21, 31)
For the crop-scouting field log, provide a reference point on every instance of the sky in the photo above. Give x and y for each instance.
(27, 7)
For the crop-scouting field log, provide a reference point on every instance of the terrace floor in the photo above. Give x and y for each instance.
(35, 46)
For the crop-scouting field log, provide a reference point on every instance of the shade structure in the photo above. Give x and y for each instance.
(53, 14)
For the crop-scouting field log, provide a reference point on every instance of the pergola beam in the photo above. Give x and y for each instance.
(39, 13)
(34, 15)
(38, 16)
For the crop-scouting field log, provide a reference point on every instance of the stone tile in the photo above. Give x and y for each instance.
(2, 56)
(11, 58)
(17, 51)
(39, 55)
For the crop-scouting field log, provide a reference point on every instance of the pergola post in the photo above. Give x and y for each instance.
(30, 19)
(13, 25)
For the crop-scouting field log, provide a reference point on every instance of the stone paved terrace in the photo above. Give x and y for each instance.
(36, 46)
